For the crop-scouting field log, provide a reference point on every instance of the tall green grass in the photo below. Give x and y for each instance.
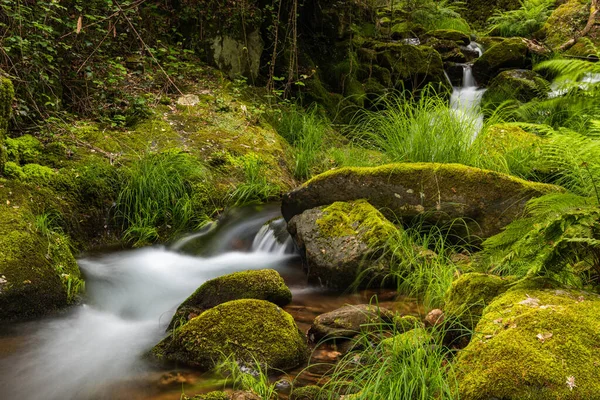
(256, 187)
(411, 369)
(305, 131)
(253, 378)
(157, 195)
(423, 130)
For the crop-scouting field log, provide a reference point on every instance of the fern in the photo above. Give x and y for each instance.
(524, 21)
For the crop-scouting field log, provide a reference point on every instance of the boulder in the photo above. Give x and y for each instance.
(38, 273)
(348, 321)
(508, 54)
(342, 243)
(264, 284)
(238, 57)
(536, 341)
(457, 37)
(565, 23)
(516, 84)
(468, 296)
(248, 330)
(439, 193)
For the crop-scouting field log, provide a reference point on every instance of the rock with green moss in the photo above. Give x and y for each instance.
(407, 342)
(469, 295)
(7, 94)
(264, 284)
(349, 321)
(439, 193)
(406, 323)
(38, 273)
(343, 243)
(215, 395)
(508, 54)
(565, 22)
(248, 330)
(516, 84)
(536, 341)
(313, 392)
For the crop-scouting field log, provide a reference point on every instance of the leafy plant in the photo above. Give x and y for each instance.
(256, 188)
(433, 15)
(524, 21)
(254, 378)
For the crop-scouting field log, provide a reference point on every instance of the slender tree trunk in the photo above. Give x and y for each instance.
(594, 10)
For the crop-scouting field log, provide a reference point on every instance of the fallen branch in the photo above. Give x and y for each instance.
(588, 27)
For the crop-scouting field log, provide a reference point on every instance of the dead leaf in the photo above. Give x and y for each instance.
(79, 24)
(544, 336)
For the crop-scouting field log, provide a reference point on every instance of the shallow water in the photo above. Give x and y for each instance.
(96, 350)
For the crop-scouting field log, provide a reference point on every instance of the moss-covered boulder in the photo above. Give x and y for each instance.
(458, 37)
(477, 12)
(405, 343)
(516, 84)
(264, 284)
(23, 149)
(348, 321)
(437, 192)
(7, 94)
(38, 273)
(508, 54)
(342, 243)
(249, 330)
(565, 22)
(215, 395)
(469, 295)
(313, 392)
(534, 343)
(406, 323)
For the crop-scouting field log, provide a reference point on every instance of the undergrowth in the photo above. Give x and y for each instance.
(524, 21)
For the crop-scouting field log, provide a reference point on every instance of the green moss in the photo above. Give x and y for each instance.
(250, 330)
(406, 323)
(356, 218)
(24, 149)
(450, 34)
(480, 10)
(7, 94)
(508, 54)
(530, 343)
(39, 269)
(469, 295)
(407, 342)
(12, 170)
(264, 284)
(216, 395)
(583, 48)
(312, 392)
(565, 22)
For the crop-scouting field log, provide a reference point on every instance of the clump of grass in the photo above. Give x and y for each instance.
(256, 187)
(524, 21)
(157, 196)
(305, 131)
(253, 378)
(425, 130)
(419, 368)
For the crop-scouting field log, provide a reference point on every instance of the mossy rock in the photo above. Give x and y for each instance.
(342, 243)
(249, 330)
(508, 54)
(509, 145)
(348, 321)
(406, 30)
(405, 343)
(439, 193)
(264, 284)
(478, 11)
(7, 94)
(24, 149)
(457, 37)
(313, 392)
(565, 22)
(516, 84)
(469, 295)
(407, 323)
(38, 273)
(215, 395)
(534, 343)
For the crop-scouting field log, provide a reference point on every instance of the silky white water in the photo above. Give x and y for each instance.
(466, 99)
(131, 296)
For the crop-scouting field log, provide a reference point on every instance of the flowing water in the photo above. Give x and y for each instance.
(465, 100)
(96, 350)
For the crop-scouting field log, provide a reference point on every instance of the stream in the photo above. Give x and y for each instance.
(96, 350)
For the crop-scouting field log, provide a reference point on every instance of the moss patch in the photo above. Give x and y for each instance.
(264, 284)
(7, 94)
(519, 85)
(565, 22)
(534, 343)
(250, 330)
(508, 54)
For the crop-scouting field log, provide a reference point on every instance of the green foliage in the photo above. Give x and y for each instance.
(306, 132)
(157, 194)
(524, 21)
(434, 15)
(253, 378)
(410, 365)
(256, 187)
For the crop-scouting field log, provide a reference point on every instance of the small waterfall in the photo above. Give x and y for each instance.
(273, 238)
(465, 100)
(474, 46)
